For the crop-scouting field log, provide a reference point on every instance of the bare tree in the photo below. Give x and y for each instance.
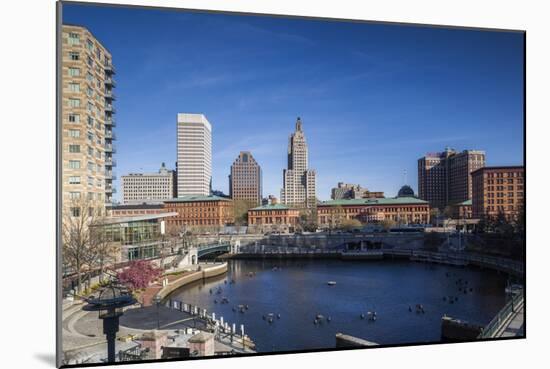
(79, 243)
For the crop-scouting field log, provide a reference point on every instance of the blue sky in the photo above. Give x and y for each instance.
(373, 98)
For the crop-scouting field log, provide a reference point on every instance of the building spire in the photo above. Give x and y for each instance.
(298, 124)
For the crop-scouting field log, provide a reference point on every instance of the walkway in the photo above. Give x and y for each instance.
(516, 326)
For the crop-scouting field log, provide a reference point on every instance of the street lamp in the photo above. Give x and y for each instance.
(110, 303)
(157, 299)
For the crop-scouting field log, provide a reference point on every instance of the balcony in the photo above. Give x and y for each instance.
(109, 68)
(110, 162)
(110, 175)
(110, 108)
(109, 95)
(110, 135)
(109, 188)
(110, 81)
(110, 121)
(110, 148)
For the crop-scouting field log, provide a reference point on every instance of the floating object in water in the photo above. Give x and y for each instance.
(319, 317)
(215, 301)
(234, 309)
(246, 307)
(329, 319)
(270, 320)
(362, 316)
(315, 321)
(410, 308)
(278, 316)
(331, 283)
(471, 289)
(444, 298)
(225, 281)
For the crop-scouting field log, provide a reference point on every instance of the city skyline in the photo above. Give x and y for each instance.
(389, 87)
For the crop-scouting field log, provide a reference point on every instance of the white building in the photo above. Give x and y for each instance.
(194, 171)
(299, 182)
(148, 187)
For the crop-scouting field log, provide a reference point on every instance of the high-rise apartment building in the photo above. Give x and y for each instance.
(194, 166)
(87, 118)
(299, 182)
(148, 187)
(444, 178)
(498, 190)
(245, 180)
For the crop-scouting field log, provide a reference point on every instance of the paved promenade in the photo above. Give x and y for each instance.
(516, 326)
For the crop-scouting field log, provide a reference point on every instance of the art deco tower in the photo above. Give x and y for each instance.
(298, 181)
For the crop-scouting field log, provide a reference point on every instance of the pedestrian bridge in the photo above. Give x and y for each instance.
(214, 248)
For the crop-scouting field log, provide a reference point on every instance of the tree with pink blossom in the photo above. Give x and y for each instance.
(139, 274)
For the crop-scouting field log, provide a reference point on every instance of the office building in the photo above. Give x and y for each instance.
(245, 180)
(299, 182)
(87, 119)
(194, 166)
(138, 188)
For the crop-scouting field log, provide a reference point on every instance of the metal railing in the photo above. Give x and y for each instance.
(496, 325)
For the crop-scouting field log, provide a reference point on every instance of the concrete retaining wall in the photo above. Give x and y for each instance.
(205, 272)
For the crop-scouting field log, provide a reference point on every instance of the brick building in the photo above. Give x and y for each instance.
(404, 210)
(200, 211)
(273, 214)
(498, 190)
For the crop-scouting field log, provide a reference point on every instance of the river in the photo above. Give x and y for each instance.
(298, 291)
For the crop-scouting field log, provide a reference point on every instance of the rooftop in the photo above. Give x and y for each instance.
(137, 218)
(375, 201)
(271, 207)
(144, 205)
(509, 167)
(198, 198)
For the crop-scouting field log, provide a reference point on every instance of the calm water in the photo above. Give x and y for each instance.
(298, 291)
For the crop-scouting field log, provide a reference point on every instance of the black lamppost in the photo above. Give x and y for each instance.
(157, 299)
(110, 303)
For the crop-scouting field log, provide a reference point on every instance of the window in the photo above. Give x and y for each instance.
(90, 136)
(75, 212)
(74, 72)
(74, 148)
(91, 166)
(74, 118)
(90, 122)
(89, 44)
(74, 103)
(74, 164)
(74, 38)
(90, 77)
(74, 133)
(74, 87)
(74, 180)
(90, 151)
(74, 195)
(74, 55)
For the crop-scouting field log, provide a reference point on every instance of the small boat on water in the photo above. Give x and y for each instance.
(331, 283)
